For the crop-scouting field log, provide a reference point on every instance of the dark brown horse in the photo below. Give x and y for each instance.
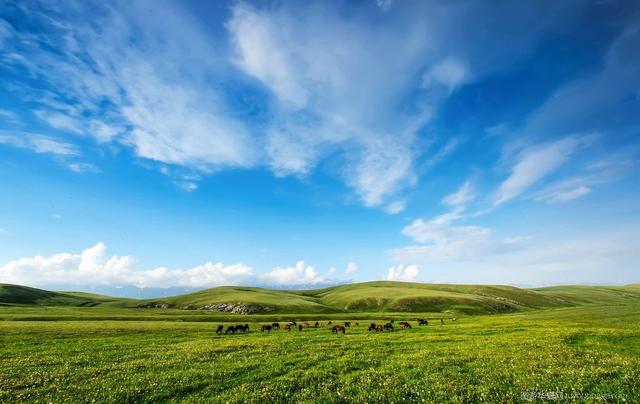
(371, 327)
(266, 328)
(337, 329)
(379, 328)
(231, 329)
(276, 326)
(287, 327)
(347, 323)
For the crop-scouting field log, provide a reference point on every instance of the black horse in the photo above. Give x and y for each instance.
(266, 328)
(388, 327)
(231, 329)
(220, 329)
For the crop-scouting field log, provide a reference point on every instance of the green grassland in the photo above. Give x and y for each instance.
(570, 343)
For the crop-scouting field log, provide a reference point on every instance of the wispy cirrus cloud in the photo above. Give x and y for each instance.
(534, 163)
(39, 144)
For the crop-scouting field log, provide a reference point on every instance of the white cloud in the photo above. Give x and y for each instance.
(300, 274)
(402, 273)
(450, 73)
(351, 268)
(384, 4)
(332, 270)
(534, 164)
(444, 241)
(172, 88)
(463, 195)
(9, 116)
(94, 266)
(59, 121)
(441, 240)
(82, 167)
(39, 144)
(560, 196)
(395, 207)
(98, 83)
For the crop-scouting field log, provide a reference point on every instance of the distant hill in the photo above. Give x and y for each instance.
(358, 297)
(24, 295)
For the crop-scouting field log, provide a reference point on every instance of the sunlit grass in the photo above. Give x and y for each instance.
(589, 350)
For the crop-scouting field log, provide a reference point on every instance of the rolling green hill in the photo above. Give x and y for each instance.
(358, 297)
(24, 295)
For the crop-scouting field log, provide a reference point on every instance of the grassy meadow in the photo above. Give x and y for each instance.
(114, 353)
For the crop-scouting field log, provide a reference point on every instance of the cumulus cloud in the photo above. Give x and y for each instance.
(300, 274)
(351, 268)
(402, 273)
(95, 266)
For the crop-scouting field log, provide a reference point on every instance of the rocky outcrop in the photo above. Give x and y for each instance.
(154, 305)
(233, 308)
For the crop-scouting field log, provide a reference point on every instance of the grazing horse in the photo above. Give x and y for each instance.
(287, 327)
(231, 329)
(379, 328)
(388, 327)
(316, 325)
(292, 324)
(276, 326)
(337, 329)
(243, 328)
(266, 328)
(306, 324)
(220, 329)
(404, 324)
(347, 323)
(300, 327)
(422, 321)
(371, 327)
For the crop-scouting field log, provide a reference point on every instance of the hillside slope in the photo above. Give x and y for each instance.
(24, 295)
(358, 297)
(576, 294)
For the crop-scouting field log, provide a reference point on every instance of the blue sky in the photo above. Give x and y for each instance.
(180, 145)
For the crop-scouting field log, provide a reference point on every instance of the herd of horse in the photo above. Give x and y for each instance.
(335, 329)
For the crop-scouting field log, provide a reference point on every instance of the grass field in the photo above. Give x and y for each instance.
(570, 343)
(589, 352)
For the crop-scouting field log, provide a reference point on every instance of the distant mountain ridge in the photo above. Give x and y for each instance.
(380, 296)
